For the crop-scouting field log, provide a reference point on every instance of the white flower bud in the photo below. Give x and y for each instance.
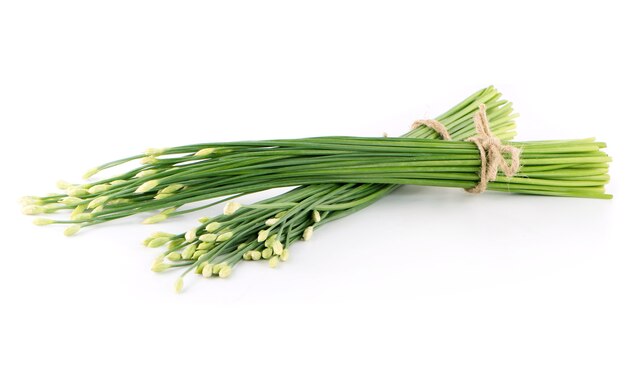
(188, 252)
(178, 286)
(308, 233)
(77, 211)
(148, 160)
(82, 217)
(147, 186)
(30, 200)
(198, 253)
(208, 238)
(156, 218)
(98, 201)
(62, 184)
(277, 247)
(172, 188)
(207, 270)
(71, 201)
(97, 209)
(284, 255)
(204, 152)
(155, 151)
(225, 271)
(174, 256)
(205, 245)
(71, 230)
(231, 207)
(190, 235)
(274, 261)
(32, 210)
(160, 267)
(255, 255)
(263, 234)
(163, 195)
(246, 256)
(271, 221)
(224, 237)
(118, 182)
(158, 242)
(145, 173)
(212, 227)
(267, 253)
(76, 192)
(99, 188)
(90, 173)
(40, 221)
(271, 240)
(316, 216)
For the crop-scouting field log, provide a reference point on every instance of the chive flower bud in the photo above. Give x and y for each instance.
(158, 242)
(274, 261)
(40, 221)
(62, 184)
(207, 270)
(90, 173)
(178, 285)
(174, 256)
(118, 182)
(225, 271)
(160, 267)
(212, 226)
(316, 216)
(147, 186)
(204, 152)
(71, 201)
(188, 252)
(255, 255)
(98, 201)
(263, 234)
(163, 195)
(190, 235)
(308, 233)
(148, 160)
(271, 221)
(231, 207)
(284, 256)
(76, 192)
(172, 188)
(99, 188)
(156, 218)
(77, 211)
(71, 230)
(224, 237)
(205, 245)
(145, 173)
(82, 217)
(247, 256)
(32, 210)
(155, 151)
(277, 247)
(30, 200)
(267, 253)
(208, 238)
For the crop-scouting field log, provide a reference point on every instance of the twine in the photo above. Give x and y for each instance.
(434, 125)
(489, 146)
(491, 153)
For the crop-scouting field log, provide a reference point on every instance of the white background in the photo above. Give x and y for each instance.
(434, 277)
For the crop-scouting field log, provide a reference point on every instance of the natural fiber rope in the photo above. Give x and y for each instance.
(490, 147)
(491, 153)
(434, 125)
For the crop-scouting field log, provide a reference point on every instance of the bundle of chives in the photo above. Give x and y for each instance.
(179, 175)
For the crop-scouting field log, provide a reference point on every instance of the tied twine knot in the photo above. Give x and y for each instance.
(489, 146)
